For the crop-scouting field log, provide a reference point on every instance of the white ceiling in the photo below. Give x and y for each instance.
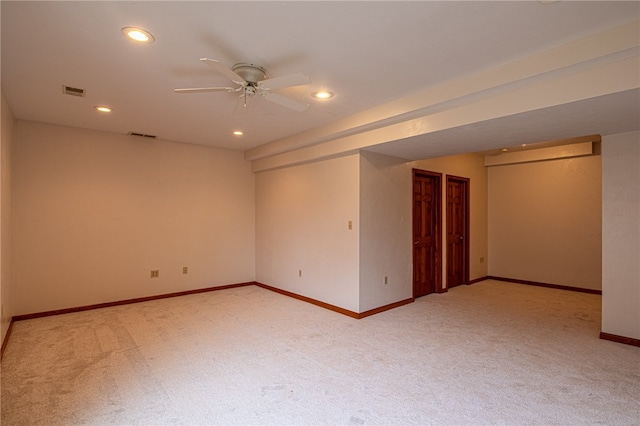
(534, 129)
(368, 53)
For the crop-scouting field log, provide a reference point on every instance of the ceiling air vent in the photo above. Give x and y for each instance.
(73, 91)
(143, 135)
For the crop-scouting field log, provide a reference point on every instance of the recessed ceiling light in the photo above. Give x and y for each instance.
(504, 149)
(322, 94)
(103, 108)
(138, 34)
(238, 133)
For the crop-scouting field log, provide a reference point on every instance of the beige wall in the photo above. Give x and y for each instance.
(95, 212)
(545, 221)
(385, 230)
(469, 166)
(302, 216)
(621, 234)
(6, 282)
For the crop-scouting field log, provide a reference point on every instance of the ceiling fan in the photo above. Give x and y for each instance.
(251, 80)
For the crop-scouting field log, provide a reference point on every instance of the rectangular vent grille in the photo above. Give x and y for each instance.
(73, 91)
(143, 135)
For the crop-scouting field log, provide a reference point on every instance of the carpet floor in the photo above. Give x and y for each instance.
(490, 353)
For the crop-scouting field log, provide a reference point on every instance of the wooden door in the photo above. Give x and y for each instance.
(427, 272)
(457, 231)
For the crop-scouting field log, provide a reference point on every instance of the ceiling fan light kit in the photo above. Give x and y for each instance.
(252, 79)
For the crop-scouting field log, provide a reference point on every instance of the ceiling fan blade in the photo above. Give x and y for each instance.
(205, 89)
(221, 69)
(284, 101)
(243, 104)
(284, 81)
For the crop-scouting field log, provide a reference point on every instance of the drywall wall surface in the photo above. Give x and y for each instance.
(6, 282)
(303, 241)
(95, 212)
(545, 222)
(621, 234)
(385, 231)
(469, 166)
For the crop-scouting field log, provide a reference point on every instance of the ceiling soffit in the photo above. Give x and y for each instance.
(598, 65)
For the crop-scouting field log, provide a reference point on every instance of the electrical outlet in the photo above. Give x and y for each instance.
(300, 272)
(155, 273)
(482, 260)
(386, 280)
(185, 270)
(350, 225)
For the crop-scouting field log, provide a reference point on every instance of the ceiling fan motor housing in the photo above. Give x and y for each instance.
(252, 79)
(250, 73)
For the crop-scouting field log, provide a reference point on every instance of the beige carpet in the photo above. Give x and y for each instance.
(490, 353)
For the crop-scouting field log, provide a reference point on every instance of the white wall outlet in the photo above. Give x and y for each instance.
(386, 280)
(155, 273)
(350, 225)
(185, 269)
(300, 272)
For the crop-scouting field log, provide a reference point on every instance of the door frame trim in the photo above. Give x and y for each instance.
(439, 230)
(467, 204)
